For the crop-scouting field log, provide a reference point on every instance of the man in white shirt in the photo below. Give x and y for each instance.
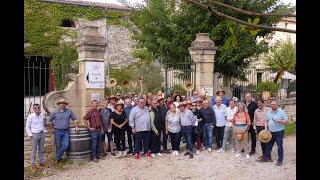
(36, 131)
(228, 130)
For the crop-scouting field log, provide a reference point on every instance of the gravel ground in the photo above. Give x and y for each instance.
(213, 165)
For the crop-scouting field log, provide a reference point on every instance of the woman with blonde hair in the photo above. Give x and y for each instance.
(241, 123)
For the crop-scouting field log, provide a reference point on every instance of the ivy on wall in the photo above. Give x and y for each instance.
(42, 31)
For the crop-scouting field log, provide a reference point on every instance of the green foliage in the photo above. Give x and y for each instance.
(282, 55)
(179, 89)
(251, 88)
(267, 86)
(42, 31)
(290, 129)
(166, 32)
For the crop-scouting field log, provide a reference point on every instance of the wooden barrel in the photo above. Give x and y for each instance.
(266, 95)
(79, 145)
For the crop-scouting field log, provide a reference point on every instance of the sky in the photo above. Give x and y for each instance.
(139, 1)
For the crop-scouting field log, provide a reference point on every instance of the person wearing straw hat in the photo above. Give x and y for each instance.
(61, 118)
(92, 119)
(260, 123)
(241, 123)
(112, 102)
(224, 100)
(119, 121)
(199, 103)
(187, 120)
(163, 110)
(277, 119)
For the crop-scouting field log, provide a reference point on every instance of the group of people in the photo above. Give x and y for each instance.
(151, 121)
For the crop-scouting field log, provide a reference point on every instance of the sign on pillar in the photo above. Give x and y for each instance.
(208, 91)
(94, 75)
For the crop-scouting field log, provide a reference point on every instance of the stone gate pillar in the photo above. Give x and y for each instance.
(202, 52)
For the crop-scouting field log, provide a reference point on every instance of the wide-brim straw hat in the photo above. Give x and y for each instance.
(182, 104)
(239, 137)
(220, 90)
(160, 98)
(188, 102)
(113, 97)
(117, 104)
(265, 136)
(199, 99)
(62, 101)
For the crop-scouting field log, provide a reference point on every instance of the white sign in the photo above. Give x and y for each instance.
(94, 75)
(208, 91)
(95, 97)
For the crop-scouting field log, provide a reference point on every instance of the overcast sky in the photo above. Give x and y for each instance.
(134, 1)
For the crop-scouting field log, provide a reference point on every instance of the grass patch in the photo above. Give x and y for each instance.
(81, 163)
(290, 129)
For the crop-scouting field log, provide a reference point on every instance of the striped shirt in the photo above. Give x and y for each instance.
(260, 116)
(140, 119)
(62, 119)
(186, 117)
(34, 124)
(173, 123)
(241, 121)
(94, 117)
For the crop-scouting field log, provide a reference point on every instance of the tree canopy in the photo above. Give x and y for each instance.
(165, 30)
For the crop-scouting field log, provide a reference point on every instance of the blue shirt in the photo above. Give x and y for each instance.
(224, 101)
(220, 114)
(62, 119)
(278, 114)
(127, 110)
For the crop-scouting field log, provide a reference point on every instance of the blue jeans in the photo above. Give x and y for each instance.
(187, 133)
(142, 135)
(96, 139)
(278, 138)
(207, 135)
(61, 139)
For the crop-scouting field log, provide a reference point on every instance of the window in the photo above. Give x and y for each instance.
(259, 77)
(286, 25)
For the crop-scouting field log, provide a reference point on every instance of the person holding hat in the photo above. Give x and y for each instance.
(187, 120)
(277, 119)
(241, 123)
(162, 108)
(92, 119)
(62, 118)
(119, 121)
(260, 123)
(224, 100)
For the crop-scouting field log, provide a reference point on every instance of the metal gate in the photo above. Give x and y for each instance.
(38, 81)
(177, 74)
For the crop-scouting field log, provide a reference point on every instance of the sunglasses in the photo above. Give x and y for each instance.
(194, 105)
(36, 107)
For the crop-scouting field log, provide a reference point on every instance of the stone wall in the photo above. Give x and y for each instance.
(288, 105)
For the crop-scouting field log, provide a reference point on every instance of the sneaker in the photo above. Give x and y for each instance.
(190, 156)
(136, 156)
(238, 155)
(113, 154)
(209, 150)
(120, 154)
(221, 150)
(34, 168)
(101, 157)
(232, 150)
(203, 148)
(198, 152)
(177, 153)
(44, 165)
(173, 153)
(186, 154)
(262, 160)
(147, 155)
(124, 153)
(159, 154)
(95, 160)
(153, 155)
(247, 156)
(260, 157)
(279, 163)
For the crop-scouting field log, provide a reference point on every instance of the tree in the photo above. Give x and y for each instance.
(282, 57)
(166, 30)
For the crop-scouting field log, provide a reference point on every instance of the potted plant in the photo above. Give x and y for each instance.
(266, 88)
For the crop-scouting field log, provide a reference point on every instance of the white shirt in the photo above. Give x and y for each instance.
(230, 114)
(34, 124)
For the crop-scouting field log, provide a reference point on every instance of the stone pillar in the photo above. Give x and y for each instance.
(202, 52)
(89, 84)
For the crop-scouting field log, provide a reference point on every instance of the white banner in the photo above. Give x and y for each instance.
(94, 75)
(208, 91)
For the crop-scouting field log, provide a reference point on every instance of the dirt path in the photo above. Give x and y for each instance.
(222, 166)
